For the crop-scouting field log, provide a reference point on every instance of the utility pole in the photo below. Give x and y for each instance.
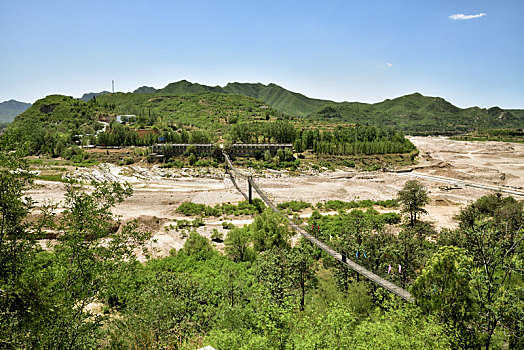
(113, 86)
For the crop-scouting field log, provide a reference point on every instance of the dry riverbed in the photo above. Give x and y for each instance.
(159, 192)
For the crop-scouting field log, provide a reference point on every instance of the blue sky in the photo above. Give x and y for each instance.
(342, 50)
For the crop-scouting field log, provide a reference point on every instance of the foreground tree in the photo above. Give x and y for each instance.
(302, 267)
(491, 233)
(443, 288)
(413, 198)
(45, 295)
(17, 249)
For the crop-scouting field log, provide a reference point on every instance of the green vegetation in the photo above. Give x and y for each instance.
(295, 206)
(205, 110)
(506, 135)
(89, 291)
(422, 115)
(414, 114)
(242, 208)
(183, 112)
(366, 203)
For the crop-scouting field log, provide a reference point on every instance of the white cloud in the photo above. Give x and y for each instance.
(461, 16)
(389, 65)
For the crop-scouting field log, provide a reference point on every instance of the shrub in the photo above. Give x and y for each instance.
(227, 225)
(197, 245)
(217, 236)
(128, 160)
(391, 218)
(191, 209)
(295, 206)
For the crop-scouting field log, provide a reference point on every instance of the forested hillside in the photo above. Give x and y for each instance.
(54, 120)
(413, 114)
(201, 109)
(279, 98)
(417, 114)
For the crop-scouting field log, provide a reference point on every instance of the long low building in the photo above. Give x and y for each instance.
(237, 149)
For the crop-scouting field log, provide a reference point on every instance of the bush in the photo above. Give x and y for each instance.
(191, 209)
(128, 160)
(349, 163)
(197, 245)
(227, 225)
(295, 206)
(197, 222)
(217, 236)
(172, 164)
(192, 159)
(391, 218)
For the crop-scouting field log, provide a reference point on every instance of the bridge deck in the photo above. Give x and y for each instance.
(404, 294)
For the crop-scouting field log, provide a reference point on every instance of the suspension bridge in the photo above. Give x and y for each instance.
(342, 258)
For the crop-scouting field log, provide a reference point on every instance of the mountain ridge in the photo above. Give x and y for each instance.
(413, 113)
(11, 108)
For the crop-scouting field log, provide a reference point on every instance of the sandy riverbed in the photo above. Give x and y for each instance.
(158, 192)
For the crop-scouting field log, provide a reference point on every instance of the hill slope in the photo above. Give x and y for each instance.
(201, 108)
(414, 113)
(418, 114)
(88, 96)
(273, 95)
(56, 117)
(278, 97)
(10, 109)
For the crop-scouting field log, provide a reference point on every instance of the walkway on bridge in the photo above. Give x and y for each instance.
(404, 294)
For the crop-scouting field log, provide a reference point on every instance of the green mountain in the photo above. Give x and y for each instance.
(10, 109)
(200, 108)
(90, 95)
(279, 98)
(211, 107)
(64, 115)
(418, 114)
(415, 113)
(273, 95)
(519, 113)
(145, 90)
(184, 87)
(56, 117)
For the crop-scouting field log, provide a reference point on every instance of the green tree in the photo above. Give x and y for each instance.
(267, 156)
(192, 159)
(443, 289)
(491, 231)
(302, 268)
(413, 198)
(269, 230)
(17, 250)
(197, 245)
(280, 155)
(238, 245)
